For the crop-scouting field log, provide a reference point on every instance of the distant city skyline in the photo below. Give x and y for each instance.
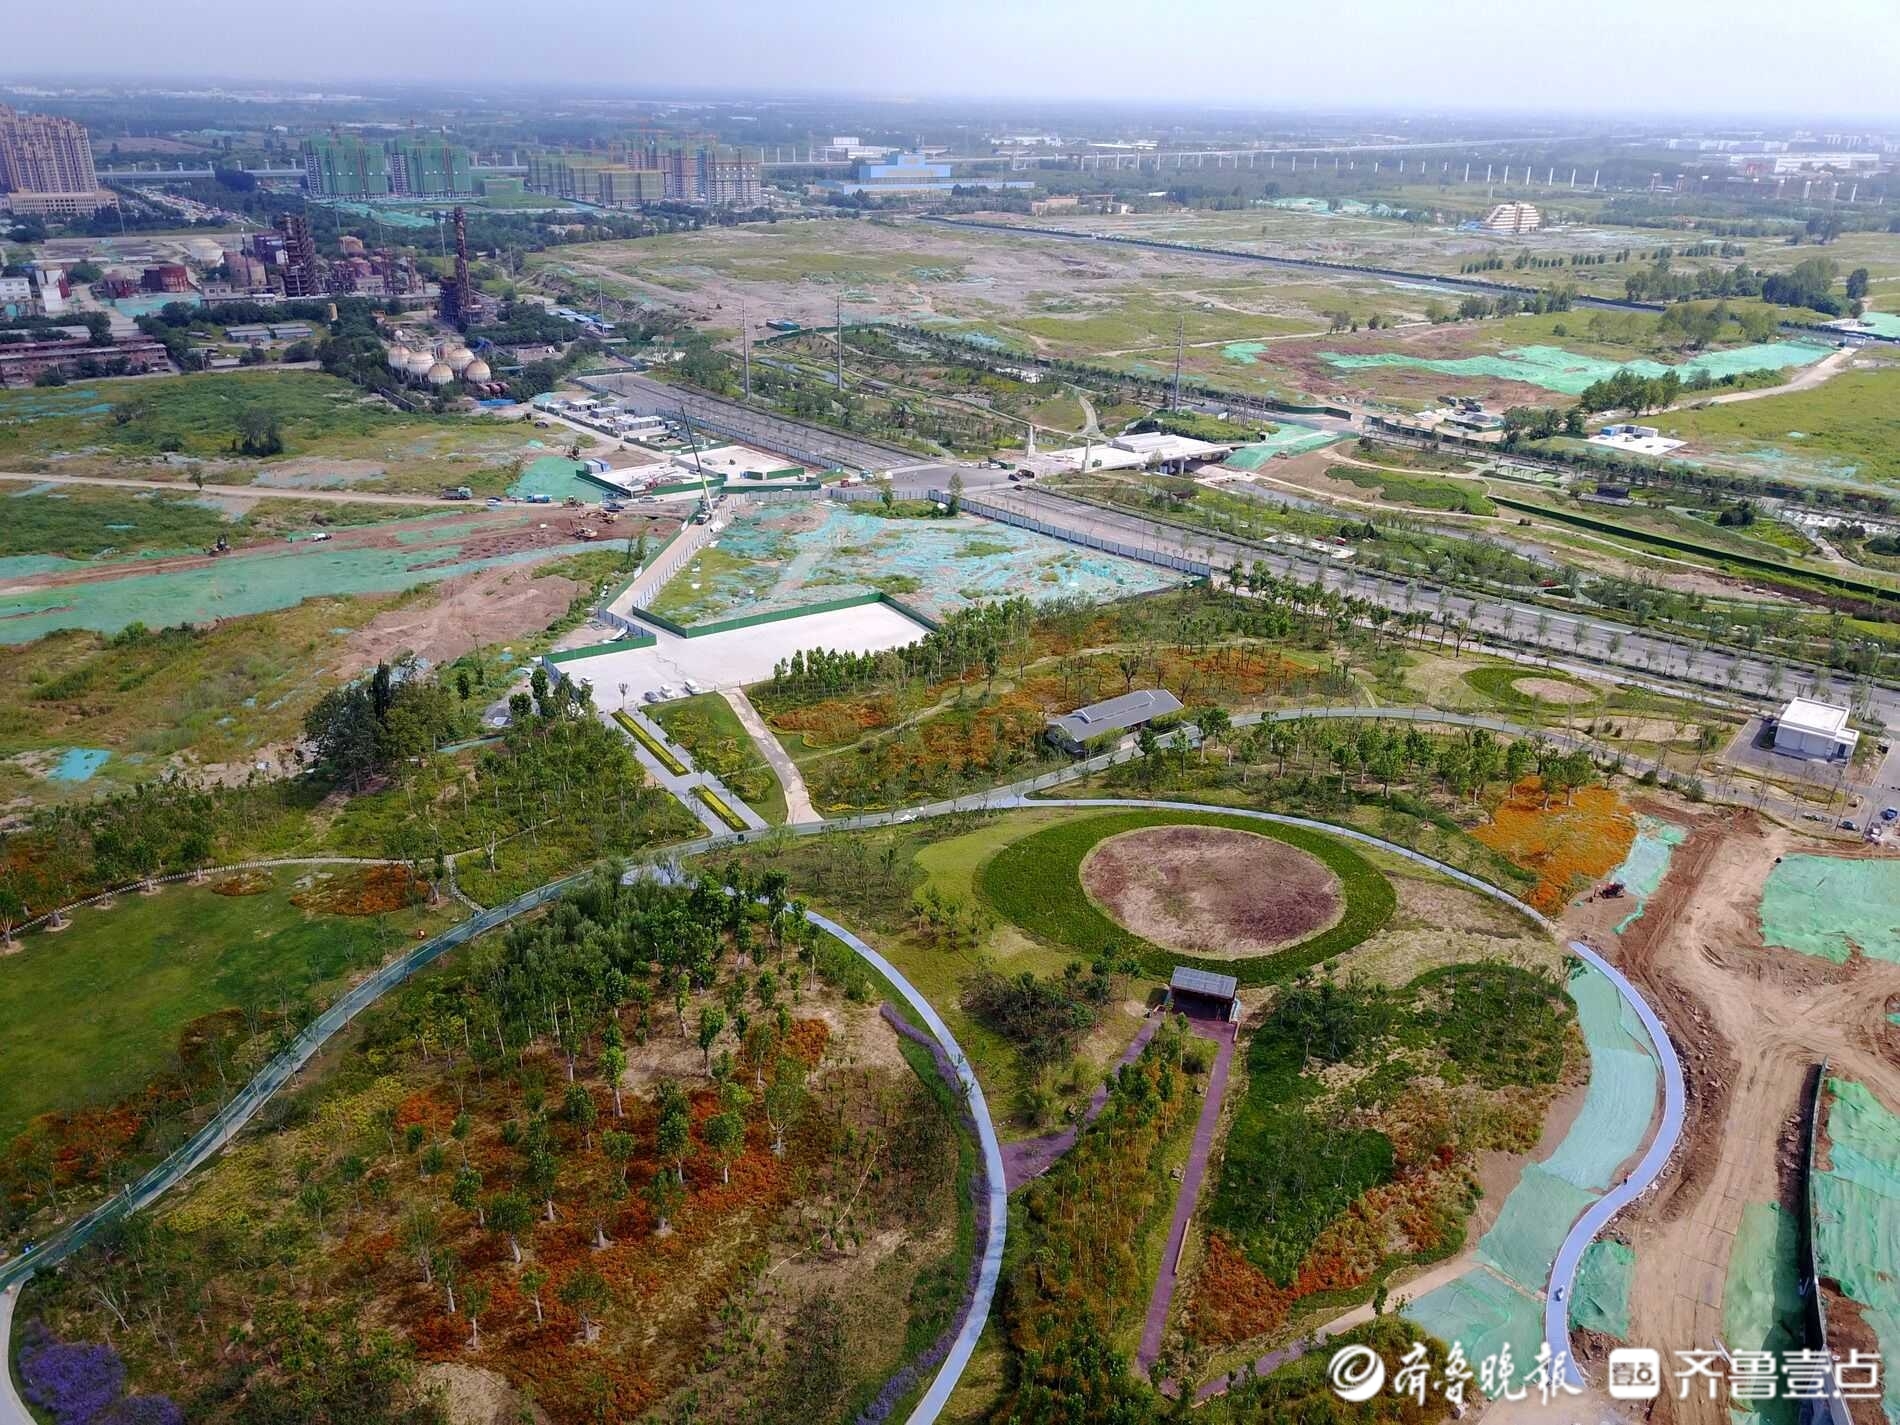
(1635, 57)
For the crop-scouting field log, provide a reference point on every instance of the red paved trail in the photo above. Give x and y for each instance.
(1223, 1035)
(1032, 1157)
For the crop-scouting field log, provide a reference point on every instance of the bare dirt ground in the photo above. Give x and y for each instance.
(1554, 690)
(1750, 1023)
(1210, 891)
(473, 1396)
(488, 606)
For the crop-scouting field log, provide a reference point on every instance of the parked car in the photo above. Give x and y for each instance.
(693, 688)
(1890, 813)
(1847, 823)
(651, 695)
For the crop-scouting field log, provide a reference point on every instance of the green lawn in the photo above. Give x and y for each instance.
(708, 728)
(1036, 882)
(87, 521)
(95, 1011)
(1419, 491)
(94, 428)
(1851, 420)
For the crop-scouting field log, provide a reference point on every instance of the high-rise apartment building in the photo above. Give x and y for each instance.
(46, 166)
(349, 167)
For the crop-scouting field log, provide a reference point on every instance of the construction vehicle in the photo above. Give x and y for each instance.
(223, 546)
(457, 492)
(582, 531)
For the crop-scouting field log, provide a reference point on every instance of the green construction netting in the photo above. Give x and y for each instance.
(1622, 1095)
(556, 477)
(1531, 1226)
(252, 583)
(1555, 369)
(1600, 1301)
(1289, 439)
(1761, 1303)
(1856, 1203)
(1828, 906)
(1484, 1314)
(1882, 323)
(1647, 863)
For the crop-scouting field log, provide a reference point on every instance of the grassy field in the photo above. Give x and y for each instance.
(145, 969)
(332, 433)
(90, 521)
(218, 694)
(1036, 883)
(707, 727)
(1420, 492)
(1848, 427)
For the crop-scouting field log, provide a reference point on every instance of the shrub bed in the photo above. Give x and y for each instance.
(1036, 882)
(652, 744)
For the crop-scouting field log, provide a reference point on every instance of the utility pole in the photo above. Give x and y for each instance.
(745, 337)
(1180, 341)
(840, 343)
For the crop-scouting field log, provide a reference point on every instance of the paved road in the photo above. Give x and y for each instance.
(1601, 641)
(775, 432)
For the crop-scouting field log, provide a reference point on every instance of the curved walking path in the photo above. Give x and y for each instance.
(798, 805)
(232, 1118)
(1599, 1214)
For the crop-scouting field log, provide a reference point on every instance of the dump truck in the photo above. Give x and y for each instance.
(457, 492)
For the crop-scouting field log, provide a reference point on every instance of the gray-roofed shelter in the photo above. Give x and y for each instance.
(1203, 994)
(1117, 715)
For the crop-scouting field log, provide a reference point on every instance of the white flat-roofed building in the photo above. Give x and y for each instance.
(1812, 729)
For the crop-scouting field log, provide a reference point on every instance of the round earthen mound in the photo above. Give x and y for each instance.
(1553, 690)
(1208, 891)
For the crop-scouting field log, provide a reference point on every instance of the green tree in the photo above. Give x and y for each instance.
(586, 1292)
(510, 1214)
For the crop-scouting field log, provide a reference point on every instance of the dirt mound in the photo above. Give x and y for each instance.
(1205, 890)
(1553, 690)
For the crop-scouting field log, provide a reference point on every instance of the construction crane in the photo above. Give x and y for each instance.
(704, 512)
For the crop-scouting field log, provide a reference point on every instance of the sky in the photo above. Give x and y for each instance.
(1577, 56)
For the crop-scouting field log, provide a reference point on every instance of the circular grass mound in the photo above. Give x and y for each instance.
(1206, 890)
(1037, 883)
(1527, 687)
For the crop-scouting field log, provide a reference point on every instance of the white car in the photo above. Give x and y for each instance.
(693, 688)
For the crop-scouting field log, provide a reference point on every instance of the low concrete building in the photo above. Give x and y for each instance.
(1815, 730)
(1115, 716)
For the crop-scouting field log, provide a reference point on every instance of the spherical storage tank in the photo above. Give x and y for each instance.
(477, 371)
(399, 357)
(458, 358)
(439, 374)
(419, 363)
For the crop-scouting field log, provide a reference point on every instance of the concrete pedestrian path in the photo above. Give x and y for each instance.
(681, 784)
(1222, 1035)
(798, 805)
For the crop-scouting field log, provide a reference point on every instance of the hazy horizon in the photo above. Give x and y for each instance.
(1621, 58)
